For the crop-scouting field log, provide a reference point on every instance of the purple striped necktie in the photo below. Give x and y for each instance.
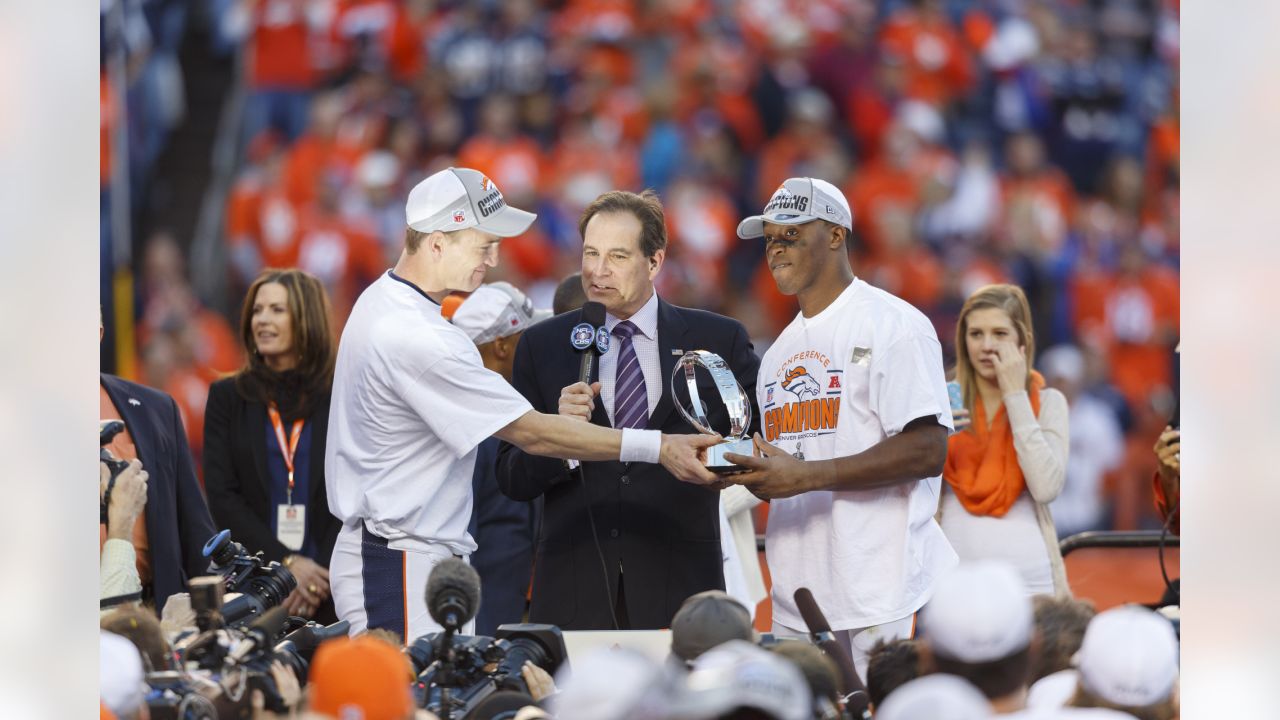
(630, 398)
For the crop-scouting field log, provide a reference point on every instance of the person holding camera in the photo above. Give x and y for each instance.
(169, 537)
(118, 580)
(1007, 460)
(264, 436)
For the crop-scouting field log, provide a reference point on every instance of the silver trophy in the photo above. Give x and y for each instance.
(735, 401)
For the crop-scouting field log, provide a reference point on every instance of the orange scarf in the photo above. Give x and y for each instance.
(982, 464)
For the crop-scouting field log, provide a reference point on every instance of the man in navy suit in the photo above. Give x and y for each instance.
(659, 537)
(169, 539)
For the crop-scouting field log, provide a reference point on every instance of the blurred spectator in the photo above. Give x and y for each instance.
(820, 674)
(360, 677)
(706, 620)
(120, 677)
(282, 62)
(1061, 624)
(265, 436)
(1096, 450)
(1168, 477)
(611, 684)
(569, 294)
(143, 630)
(979, 626)
(937, 697)
(375, 203)
(891, 665)
(1128, 661)
(118, 580)
(738, 676)
(495, 316)
(939, 69)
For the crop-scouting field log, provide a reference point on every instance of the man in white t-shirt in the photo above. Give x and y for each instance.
(411, 401)
(855, 417)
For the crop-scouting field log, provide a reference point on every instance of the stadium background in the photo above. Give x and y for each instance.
(978, 141)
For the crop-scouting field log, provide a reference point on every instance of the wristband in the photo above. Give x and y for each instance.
(640, 446)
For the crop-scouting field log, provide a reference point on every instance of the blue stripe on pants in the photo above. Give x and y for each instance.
(383, 574)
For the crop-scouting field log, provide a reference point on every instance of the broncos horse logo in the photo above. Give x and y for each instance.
(798, 381)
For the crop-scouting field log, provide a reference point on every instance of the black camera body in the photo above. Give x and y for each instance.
(262, 585)
(478, 666)
(107, 432)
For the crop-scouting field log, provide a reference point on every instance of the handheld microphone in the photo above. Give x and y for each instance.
(260, 633)
(857, 701)
(586, 339)
(453, 593)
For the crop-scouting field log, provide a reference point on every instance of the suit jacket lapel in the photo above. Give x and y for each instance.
(672, 332)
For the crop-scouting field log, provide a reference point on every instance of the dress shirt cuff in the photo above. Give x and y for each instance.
(641, 446)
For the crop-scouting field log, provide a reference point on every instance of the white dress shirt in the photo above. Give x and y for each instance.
(636, 445)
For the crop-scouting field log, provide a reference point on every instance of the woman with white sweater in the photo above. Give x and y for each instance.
(1007, 459)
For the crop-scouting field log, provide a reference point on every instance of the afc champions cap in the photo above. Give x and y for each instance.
(461, 198)
(798, 201)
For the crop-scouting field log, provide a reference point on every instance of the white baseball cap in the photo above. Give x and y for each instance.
(979, 612)
(120, 681)
(496, 310)
(1129, 656)
(461, 198)
(611, 684)
(937, 697)
(739, 674)
(797, 201)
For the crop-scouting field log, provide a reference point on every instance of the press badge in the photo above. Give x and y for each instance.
(291, 525)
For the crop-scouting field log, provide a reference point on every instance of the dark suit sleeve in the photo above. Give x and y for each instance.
(195, 527)
(522, 476)
(222, 482)
(746, 367)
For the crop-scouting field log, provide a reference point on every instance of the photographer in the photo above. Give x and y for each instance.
(118, 566)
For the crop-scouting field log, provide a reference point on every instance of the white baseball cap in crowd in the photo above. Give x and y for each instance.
(1129, 657)
(739, 674)
(797, 201)
(120, 680)
(461, 198)
(937, 697)
(611, 684)
(979, 612)
(496, 310)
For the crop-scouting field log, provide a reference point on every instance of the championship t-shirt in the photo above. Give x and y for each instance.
(411, 402)
(834, 385)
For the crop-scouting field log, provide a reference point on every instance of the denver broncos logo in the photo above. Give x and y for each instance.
(798, 381)
(485, 183)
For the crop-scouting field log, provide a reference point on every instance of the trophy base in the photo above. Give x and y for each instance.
(715, 457)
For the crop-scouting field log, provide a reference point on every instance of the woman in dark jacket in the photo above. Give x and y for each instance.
(264, 436)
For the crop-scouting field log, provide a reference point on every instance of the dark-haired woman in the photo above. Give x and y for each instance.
(264, 436)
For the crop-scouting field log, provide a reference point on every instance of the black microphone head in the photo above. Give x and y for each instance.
(453, 593)
(808, 608)
(593, 313)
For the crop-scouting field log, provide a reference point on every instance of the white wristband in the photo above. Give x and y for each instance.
(641, 445)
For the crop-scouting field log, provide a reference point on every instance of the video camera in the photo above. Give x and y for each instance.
(261, 585)
(481, 665)
(457, 672)
(231, 652)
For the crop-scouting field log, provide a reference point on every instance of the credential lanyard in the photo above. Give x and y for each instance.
(287, 449)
